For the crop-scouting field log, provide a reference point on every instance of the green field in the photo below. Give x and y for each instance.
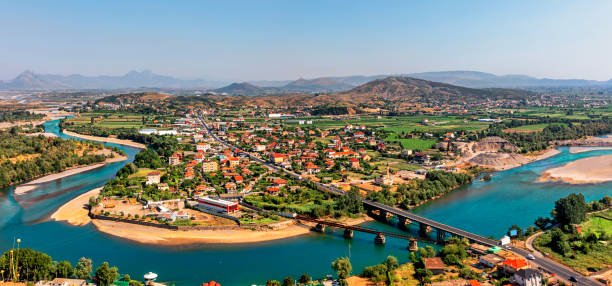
(599, 223)
(119, 120)
(414, 143)
(534, 127)
(400, 123)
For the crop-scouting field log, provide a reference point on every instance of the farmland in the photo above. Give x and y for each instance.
(113, 120)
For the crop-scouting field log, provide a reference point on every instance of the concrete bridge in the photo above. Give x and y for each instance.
(425, 224)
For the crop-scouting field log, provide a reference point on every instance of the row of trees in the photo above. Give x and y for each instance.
(536, 141)
(32, 265)
(19, 115)
(436, 183)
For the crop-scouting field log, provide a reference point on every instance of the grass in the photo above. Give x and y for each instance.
(118, 120)
(533, 127)
(413, 143)
(598, 257)
(599, 223)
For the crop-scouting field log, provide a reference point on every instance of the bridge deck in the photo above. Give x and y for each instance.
(354, 227)
(432, 223)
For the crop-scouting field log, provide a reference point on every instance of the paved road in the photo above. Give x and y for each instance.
(551, 266)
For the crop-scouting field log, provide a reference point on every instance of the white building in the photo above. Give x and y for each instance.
(528, 277)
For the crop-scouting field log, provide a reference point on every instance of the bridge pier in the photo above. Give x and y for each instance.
(424, 229)
(403, 222)
(382, 215)
(348, 233)
(380, 239)
(412, 245)
(440, 235)
(320, 227)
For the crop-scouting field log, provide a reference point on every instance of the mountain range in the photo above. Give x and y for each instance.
(29, 80)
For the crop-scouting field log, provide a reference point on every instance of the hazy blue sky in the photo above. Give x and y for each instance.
(251, 40)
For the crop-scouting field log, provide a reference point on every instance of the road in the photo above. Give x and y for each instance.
(551, 266)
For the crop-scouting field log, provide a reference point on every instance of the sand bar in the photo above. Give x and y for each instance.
(106, 139)
(159, 236)
(575, 150)
(583, 171)
(24, 188)
(75, 211)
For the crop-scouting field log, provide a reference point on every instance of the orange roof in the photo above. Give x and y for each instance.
(272, 189)
(516, 263)
(474, 283)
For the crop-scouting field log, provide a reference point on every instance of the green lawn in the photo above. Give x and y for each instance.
(535, 127)
(414, 144)
(599, 223)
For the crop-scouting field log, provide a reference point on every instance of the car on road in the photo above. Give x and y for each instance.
(530, 257)
(573, 279)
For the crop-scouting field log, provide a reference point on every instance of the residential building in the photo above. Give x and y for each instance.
(210, 166)
(512, 265)
(434, 264)
(528, 277)
(153, 178)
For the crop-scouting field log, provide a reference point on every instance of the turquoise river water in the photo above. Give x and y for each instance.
(485, 208)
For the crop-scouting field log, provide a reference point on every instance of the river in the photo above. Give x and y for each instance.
(486, 208)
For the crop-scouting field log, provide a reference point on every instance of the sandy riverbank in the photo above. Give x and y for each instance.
(159, 236)
(575, 150)
(106, 139)
(500, 161)
(75, 211)
(584, 171)
(24, 188)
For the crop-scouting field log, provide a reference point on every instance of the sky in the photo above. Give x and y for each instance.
(280, 40)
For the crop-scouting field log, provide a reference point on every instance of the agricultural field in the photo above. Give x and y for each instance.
(599, 223)
(425, 123)
(412, 143)
(532, 127)
(119, 120)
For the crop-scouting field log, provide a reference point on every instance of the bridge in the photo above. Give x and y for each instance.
(348, 231)
(425, 223)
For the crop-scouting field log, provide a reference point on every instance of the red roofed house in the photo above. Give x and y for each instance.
(511, 265)
(354, 163)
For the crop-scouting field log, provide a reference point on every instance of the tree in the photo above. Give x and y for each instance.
(64, 269)
(273, 283)
(288, 281)
(428, 251)
(391, 263)
(343, 267)
(83, 269)
(304, 279)
(542, 223)
(32, 264)
(106, 275)
(126, 277)
(570, 210)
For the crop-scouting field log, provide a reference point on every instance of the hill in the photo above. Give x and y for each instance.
(133, 98)
(244, 88)
(407, 90)
(397, 91)
(322, 84)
